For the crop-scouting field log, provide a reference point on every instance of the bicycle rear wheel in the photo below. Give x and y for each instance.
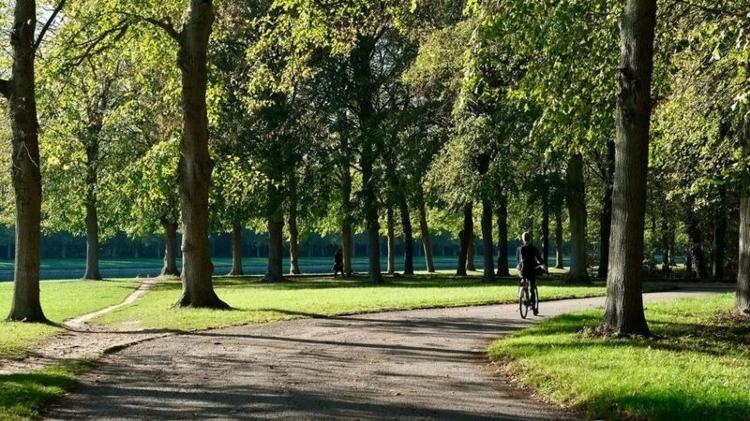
(523, 302)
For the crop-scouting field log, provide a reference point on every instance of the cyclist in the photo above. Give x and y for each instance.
(529, 260)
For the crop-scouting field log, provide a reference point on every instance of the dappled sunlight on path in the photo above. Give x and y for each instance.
(419, 364)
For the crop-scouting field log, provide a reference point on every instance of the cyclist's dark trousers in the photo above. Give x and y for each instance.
(531, 277)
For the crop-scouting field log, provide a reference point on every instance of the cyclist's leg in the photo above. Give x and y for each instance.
(532, 287)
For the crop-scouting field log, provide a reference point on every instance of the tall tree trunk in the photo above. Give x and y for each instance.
(424, 230)
(25, 174)
(195, 162)
(408, 236)
(487, 244)
(465, 238)
(695, 240)
(742, 302)
(624, 305)
(545, 231)
(365, 92)
(559, 241)
(236, 250)
(502, 236)
(605, 218)
(275, 215)
(170, 247)
(346, 223)
(720, 234)
(390, 222)
(92, 242)
(293, 228)
(92, 219)
(470, 266)
(577, 220)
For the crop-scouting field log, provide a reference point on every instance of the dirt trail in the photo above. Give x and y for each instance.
(425, 364)
(81, 341)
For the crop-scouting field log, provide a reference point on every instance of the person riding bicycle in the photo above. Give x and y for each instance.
(529, 261)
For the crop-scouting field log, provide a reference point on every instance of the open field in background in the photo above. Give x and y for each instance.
(145, 267)
(697, 369)
(61, 301)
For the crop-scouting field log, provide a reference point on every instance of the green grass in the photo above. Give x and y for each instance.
(60, 300)
(256, 302)
(699, 369)
(23, 395)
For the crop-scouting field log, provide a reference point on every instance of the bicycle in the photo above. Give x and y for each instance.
(524, 298)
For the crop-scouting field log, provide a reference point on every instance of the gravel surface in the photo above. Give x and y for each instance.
(411, 365)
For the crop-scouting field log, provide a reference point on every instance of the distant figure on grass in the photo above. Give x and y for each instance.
(338, 263)
(529, 262)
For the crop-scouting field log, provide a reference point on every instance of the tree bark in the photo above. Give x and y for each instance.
(470, 266)
(577, 220)
(391, 267)
(365, 92)
(195, 162)
(502, 236)
(605, 218)
(346, 223)
(293, 228)
(487, 243)
(559, 241)
(25, 173)
(170, 248)
(465, 239)
(545, 231)
(695, 240)
(742, 301)
(408, 236)
(720, 235)
(624, 304)
(236, 250)
(275, 215)
(92, 243)
(92, 219)
(424, 230)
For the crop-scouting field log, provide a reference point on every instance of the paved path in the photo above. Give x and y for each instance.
(425, 364)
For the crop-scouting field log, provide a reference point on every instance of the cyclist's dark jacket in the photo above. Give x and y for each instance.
(528, 258)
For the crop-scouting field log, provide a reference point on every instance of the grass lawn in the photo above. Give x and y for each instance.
(256, 302)
(22, 395)
(699, 369)
(60, 301)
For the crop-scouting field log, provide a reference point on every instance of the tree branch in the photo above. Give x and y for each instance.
(47, 25)
(164, 25)
(95, 46)
(5, 88)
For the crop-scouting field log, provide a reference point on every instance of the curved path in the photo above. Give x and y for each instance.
(423, 364)
(79, 340)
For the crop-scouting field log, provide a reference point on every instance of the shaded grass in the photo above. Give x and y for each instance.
(256, 302)
(60, 301)
(699, 368)
(23, 395)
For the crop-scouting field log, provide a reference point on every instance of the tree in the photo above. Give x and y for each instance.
(27, 182)
(624, 306)
(86, 112)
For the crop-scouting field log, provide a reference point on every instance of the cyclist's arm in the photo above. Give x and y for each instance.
(540, 260)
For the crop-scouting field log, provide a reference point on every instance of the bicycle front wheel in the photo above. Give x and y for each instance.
(523, 302)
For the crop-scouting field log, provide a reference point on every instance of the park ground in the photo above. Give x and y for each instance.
(532, 355)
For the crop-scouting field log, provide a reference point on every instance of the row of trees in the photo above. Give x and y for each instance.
(389, 118)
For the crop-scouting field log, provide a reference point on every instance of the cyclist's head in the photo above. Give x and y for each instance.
(526, 237)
